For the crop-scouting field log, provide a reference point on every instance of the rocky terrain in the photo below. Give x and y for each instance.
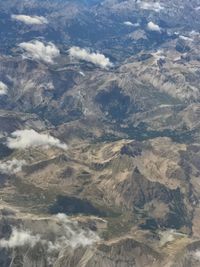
(99, 133)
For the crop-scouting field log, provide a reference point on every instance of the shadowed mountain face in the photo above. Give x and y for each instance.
(99, 133)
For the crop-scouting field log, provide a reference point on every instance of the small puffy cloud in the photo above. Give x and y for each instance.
(3, 88)
(19, 238)
(39, 51)
(159, 54)
(185, 38)
(166, 237)
(12, 166)
(82, 73)
(194, 33)
(197, 254)
(30, 20)
(95, 58)
(22, 139)
(151, 26)
(128, 23)
(155, 6)
(73, 235)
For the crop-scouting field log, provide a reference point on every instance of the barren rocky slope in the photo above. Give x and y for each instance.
(99, 133)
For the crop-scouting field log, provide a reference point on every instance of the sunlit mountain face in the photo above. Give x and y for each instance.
(99, 133)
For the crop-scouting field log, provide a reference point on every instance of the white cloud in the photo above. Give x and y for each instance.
(185, 38)
(22, 139)
(82, 73)
(65, 233)
(30, 20)
(95, 58)
(12, 166)
(166, 237)
(197, 254)
(194, 33)
(153, 27)
(69, 234)
(39, 51)
(128, 23)
(73, 235)
(155, 6)
(19, 238)
(159, 54)
(3, 88)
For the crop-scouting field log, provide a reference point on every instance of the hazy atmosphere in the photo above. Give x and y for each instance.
(99, 133)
